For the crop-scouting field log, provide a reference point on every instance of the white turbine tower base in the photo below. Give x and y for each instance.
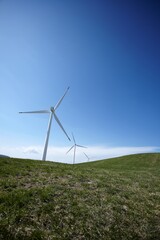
(74, 146)
(52, 113)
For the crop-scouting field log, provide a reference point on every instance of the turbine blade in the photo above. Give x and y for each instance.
(80, 146)
(57, 105)
(56, 118)
(41, 111)
(73, 138)
(69, 149)
(86, 155)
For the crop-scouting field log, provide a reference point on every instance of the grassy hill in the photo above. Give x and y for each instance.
(110, 199)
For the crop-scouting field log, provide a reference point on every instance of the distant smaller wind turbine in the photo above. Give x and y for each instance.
(74, 146)
(87, 156)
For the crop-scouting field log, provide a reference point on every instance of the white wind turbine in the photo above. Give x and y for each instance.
(74, 146)
(52, 113)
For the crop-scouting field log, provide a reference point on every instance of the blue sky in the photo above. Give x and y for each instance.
(108, 52)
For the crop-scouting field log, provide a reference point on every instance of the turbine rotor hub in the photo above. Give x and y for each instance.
(52, 109)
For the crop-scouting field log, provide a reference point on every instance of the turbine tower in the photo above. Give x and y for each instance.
(52, 113)
(74, 146)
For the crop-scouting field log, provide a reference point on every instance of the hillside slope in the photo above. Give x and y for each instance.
(110, 199)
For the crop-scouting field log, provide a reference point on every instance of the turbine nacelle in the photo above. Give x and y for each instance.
(52, 109)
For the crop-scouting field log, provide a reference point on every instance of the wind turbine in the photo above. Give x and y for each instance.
(74, 146)
(87, 156)
(52, 113)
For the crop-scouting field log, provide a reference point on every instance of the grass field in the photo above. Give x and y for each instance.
(110, 199)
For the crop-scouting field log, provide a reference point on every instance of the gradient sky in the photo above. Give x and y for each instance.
(108, 52)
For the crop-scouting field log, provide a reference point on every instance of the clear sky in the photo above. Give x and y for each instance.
(108, 52)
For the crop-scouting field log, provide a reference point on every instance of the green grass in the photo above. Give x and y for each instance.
(110, 199)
